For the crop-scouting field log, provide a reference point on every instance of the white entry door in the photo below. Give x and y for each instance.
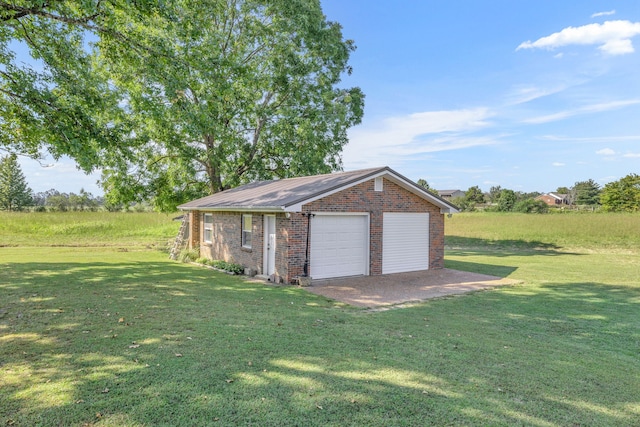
(339, 245)
(405, 242)
(269, 245)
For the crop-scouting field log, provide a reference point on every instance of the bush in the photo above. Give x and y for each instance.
(189, 255)
(531, 206)
(228, 266)
(219, 264)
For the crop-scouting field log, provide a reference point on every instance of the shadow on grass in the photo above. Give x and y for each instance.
(151, 343)
(501, 248)
(482, 268)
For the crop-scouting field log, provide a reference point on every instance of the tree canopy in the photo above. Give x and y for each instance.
(177, 99)
(506, 200)
(55, 99)
(474, 195)
(622, 195)
(585, 193)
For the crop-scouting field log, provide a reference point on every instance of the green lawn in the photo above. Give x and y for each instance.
(127, 230)
(96, 335)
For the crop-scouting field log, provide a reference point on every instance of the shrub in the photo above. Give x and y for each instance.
(189, 255)
(228, 266)
(219, 264)
(531, 206)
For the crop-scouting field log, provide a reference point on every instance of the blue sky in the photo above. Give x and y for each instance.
(529, 95)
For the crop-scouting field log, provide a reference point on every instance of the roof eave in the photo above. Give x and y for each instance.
(268, 209)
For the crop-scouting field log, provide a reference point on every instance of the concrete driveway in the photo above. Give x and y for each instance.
(391, 289)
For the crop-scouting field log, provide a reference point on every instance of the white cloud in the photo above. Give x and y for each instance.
(523, 94)
(590, 139)
(594, 108)
(613, 37)
(606, 152)
(632, 155)
(557, 164)
(396, 139)
(610, 12)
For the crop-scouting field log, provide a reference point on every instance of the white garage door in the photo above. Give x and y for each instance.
(339, 245)
(405, 242)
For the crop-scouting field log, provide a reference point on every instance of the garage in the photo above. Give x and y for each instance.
(405, 242)
(339, 245)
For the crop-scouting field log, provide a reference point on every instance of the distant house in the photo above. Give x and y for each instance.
(451, 194)
(366, 222)
(554, 199)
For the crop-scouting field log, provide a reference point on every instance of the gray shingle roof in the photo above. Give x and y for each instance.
(282, 193)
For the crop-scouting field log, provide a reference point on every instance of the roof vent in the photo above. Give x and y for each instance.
(377, 186)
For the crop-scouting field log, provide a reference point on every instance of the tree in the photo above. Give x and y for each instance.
(60, 102)
(474, 195)
(622, 195)
(424, 184)
(177, 99)
(563, 190)
(59, 202)
(507, 200)
(585, 193)
(494, 193)
(247, 91)
(14, 192)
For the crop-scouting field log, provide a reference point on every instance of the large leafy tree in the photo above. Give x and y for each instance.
(14, 192)
(622, 195)
(247, 90)
(53, 97)
(178, 99)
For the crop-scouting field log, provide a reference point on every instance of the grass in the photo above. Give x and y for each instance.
(593, 231)
(86, 229)
(95, 335)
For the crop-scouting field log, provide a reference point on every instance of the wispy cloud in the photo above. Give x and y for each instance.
(606, 152)
(613, 37)
(608, 13)
(395, 139)
(526, 93)
(557, 164)
(591, 139)
(632, 155)
(594, 108)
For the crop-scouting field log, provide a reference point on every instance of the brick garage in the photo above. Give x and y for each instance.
(264, 225)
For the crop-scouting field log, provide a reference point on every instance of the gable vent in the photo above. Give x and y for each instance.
(377, 186)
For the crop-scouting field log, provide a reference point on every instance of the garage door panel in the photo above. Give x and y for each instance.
(338, 245)
(405, 242)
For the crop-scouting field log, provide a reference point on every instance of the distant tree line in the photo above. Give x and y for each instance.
(618, 196)
(15, 195)
(61, 202)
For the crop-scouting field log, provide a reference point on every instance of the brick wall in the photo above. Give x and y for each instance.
(292, 232)
(194, 232)
(226, 243)
(393, 198)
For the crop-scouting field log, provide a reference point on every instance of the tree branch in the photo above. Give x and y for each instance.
(10, 12)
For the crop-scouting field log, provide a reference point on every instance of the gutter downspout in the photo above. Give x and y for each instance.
(305, 269)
